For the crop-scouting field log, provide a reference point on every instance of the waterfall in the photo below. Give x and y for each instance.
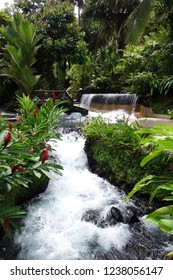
(76, 218)
(111, 106)
(104, 102)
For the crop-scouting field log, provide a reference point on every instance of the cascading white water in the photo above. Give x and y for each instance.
(54, 228)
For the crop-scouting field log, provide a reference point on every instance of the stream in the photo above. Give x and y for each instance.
(83, 217)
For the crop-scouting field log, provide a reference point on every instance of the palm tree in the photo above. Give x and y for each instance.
(106, 20)
(138, 19)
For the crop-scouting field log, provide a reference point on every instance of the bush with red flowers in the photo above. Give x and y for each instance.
(24, 152)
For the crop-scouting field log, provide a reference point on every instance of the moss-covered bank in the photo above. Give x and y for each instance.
(121, 166)
(115, 153)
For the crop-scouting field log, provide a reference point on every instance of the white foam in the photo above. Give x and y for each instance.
(54, 228)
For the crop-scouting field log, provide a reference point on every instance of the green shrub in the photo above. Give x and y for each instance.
(24, 149)
(117, 150)
(159, 144)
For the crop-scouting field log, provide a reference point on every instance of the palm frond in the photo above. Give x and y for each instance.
(138, 19)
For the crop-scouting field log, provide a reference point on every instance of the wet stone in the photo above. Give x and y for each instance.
(91, 216)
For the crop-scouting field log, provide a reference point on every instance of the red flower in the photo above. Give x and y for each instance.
(48, 148)
(7, 138)
(44, 156)
(17, 167)
(53, 95)
(35, 112)
(170, 168)
(10, 125)
(5, 225)
(42, 103)
(21, 169)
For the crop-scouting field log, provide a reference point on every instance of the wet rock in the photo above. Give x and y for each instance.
(130, 215)
(114, 216)
(8, 250)
(92, 216)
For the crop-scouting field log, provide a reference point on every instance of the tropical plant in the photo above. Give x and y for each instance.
(166, 84)
(62, 43)
(153, 77)
(25, 149)
(20, 51)
(105, 20)
(8, 215)
(159, 142)
(170, 113)
(4, 19)
(81, 75)
(113, 135)
(138, 19)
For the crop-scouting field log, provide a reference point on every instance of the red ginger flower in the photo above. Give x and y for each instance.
(35, 112)
(21, 169)
(7, 138)
(5, 225)
(44, 156)
(170, 168)
(48, 148)
(17, 167)
(10, 125)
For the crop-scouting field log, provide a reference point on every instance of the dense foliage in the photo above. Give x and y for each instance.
(159, 143)
(20, 51)
(25, 151)
(125, 153)
(117, 150)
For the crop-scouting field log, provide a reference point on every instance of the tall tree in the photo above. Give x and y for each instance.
(62, 42)
(138, 19)
(106, 19)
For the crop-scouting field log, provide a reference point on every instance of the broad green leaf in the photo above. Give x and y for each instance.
(149, 157)
(168, 198)
(142, 183)
(165, 186)
(166, 210)
(166, 225)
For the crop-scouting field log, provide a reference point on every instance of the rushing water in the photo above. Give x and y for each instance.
(56, 226)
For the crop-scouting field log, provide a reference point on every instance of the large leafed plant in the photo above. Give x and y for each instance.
(26, 152)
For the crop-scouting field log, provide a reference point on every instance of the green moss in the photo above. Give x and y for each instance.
(123, 164)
